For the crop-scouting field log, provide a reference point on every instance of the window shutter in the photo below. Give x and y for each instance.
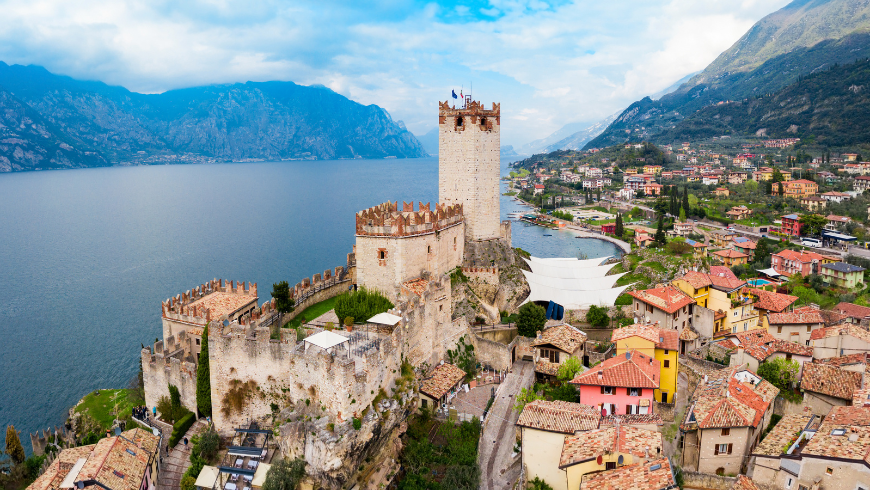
(602, 390)
(640, 392)
(730, 446)
(716, 450)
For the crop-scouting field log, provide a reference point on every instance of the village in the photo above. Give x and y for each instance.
(725, 349)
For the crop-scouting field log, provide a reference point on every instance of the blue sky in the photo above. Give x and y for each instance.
(548, 63)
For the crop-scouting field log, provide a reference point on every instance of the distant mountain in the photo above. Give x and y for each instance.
(580, 138)
(508, 151)
(105, 125)
(672, 88)
(541, 145)
(804, 37)
(430, 141)
(831, 108)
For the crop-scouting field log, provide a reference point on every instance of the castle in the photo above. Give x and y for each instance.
(407, 254)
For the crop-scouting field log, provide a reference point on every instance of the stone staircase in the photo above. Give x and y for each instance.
(176, 462)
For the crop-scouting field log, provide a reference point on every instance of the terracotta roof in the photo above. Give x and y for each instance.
(627, 440)
(728, 253)
(861, 398)
(688, 333)
(547, 367)
(760, 344)
(219, 304)
(663, 338)
(748, 244)
(416, 286)
(843, 329)
(722, 271)
(120, 463)
(796, 317)
(830, 380)
(851, 442)
(726, 401)
(60, 467)
(743, 483)
(770, 301)
(801, 256)
(853, 310)
(630, 370)
(442, 380)
(559, 416)
(653, 475)
(667, 298)
(631, 419)
(697, 279)
(841, 219)
(851, 359)
(774, 443)
(726, 344)
(563, 337)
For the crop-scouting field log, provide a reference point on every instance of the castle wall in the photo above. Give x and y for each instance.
(469, 153)
(488, 275)
(430, 329)
(165, 366)
(181, 314)
(308, 292)
(407, 257)
(285, 373)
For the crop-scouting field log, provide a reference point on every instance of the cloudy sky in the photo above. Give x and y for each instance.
(548, 62)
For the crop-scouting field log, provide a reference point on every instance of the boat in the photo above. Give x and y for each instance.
(547, 234)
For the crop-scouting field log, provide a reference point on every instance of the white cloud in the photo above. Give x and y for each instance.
(546, 65)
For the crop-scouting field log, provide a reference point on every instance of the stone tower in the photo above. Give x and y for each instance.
(469, 154)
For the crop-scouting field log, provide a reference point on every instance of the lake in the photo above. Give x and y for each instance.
(87, 256)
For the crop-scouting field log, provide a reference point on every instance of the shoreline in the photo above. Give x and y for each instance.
(583, 233)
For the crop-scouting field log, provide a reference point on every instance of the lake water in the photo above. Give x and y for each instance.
(86, 256)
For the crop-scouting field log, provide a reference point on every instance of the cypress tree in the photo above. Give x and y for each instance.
(203, 378)
(686, 199)
(13, 445)
(619, 230)
(660, 231)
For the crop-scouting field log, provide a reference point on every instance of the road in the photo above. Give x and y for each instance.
(498, 469)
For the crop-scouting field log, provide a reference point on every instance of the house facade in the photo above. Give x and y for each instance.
(553, 347)
(667, 306)
(624, 384)
(843, 275)
(659, 343)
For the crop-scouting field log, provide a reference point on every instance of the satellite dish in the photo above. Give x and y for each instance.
(599, 460)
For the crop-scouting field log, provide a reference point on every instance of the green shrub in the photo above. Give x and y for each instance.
(362, 304)
(357, 423)
(188, 483)
(180, 428)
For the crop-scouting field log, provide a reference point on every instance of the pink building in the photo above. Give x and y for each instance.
(623, 384)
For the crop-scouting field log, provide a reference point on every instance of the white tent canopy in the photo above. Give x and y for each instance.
(554, 270)
(770, 272)
(574, 300)
(569, 262)
(385, 319)
(325, 340)
(573, 284)
(207, 477)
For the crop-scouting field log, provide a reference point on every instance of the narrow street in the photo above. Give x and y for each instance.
(498, 470)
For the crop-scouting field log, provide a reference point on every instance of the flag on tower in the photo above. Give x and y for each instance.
(454, 94)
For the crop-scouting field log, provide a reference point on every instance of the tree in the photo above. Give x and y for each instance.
(768, 187)
(462, 477)
(538, 484)
(188, 483)
(682, 214)
(780, 372)
(686, 204)
(526, 396)
(779, 190)
(569, 369)
(619, 231)
(812, 224)
(762, 252)
(660, 232)
(203, 378)
(597, 316)
(285, 475)
(777, 176)
(13, 445)
(208, 444)
(531, 318)
(281, 293)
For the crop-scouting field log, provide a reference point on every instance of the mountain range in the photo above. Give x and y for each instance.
(802, 38)
(50, 121)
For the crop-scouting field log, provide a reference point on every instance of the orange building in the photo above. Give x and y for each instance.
(797, 189)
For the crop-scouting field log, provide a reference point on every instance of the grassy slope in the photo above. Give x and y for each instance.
(100, 406)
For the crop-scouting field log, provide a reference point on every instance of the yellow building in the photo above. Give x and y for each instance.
(607, 449)
(730, 258)
(652, 169)
(659, 343)
(725, 294)
(697, 285)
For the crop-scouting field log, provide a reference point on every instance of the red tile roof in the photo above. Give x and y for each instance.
(722, 271)
(697, 279)
(725, 401)
(626, 440)
(802, 256)
(630, 370)
(830, 380)
(770, 301)
(442, 380)
(743, 483)
(667, 298)
(559, 416)
(842, 329)
(853, 310)
(852, 444)
(663, 338)
(728, 253)
(640, 476)
(564, 337)
(795, 317)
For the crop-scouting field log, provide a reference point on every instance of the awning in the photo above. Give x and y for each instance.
(556, 270)
(837, 236)
(571, 284)
(385, 319)
(770, 272)
(207, 476)
(570, 262)
(245, 451)
(326, 339)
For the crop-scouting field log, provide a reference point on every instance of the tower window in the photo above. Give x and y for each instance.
(483, 121)
(429, 249)
(382, 254)
(459, 121)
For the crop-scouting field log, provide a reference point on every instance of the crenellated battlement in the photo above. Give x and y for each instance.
(472, 108)
(386, 219)
(214, 300)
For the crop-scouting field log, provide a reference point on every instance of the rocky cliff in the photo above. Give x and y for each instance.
(100, 125)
